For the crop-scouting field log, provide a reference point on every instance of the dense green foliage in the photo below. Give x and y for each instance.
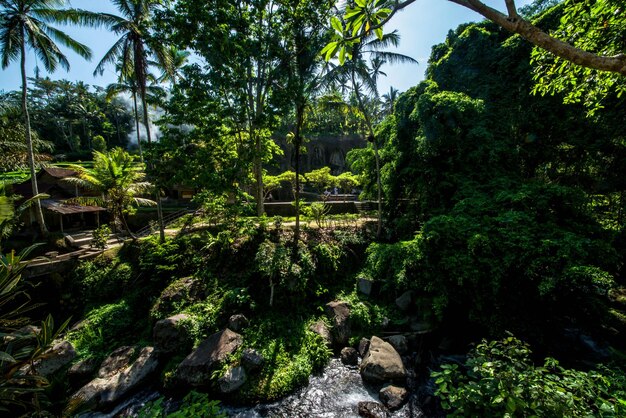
(500, 379)
(511, 198)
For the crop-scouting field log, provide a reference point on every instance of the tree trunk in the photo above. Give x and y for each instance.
(258, 175)
(29, 143)
(371, 138)
(137, 125)
(379, 186)
(146, 121)
(297, 141)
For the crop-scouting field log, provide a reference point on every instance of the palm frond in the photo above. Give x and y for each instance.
(112, 55)
(140, 201)
(62, 37)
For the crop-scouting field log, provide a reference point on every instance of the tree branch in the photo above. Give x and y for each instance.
(615, 64)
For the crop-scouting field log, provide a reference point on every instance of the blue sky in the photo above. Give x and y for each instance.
(421, 25)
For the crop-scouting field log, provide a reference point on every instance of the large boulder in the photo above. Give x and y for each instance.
(382, 363)
(339, 313)
(103, 392)
(119, 359)
(232, 380)
(320, 328)
(181, 292)
(170, 336)
(393, 397)
(196, 368)
(55, 358)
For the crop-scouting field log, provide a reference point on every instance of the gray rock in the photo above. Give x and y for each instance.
(349, 356)
(382, 363)
(369, 409)
(82, 372)
(237, 322)
(170, 336)
(364, 345)
(365, 286)
(252, 359)
(116, 361)
(403, 302)
(339, 314)
(322, 330)
(104, 392)
(232, 380)
(393, 397)
(55, 358)
(399, 343)
(196, 368)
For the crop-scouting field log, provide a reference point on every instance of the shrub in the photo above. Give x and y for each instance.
(194, 405)
(499, 379)
(106, 328)
(100, 280)
(100, 237)
(293, 353)
(492, 257)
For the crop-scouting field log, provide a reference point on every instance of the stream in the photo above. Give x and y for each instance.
(335, 393)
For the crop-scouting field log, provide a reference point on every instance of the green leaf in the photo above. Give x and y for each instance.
(336, 24)
(342, 55)
(6, 357)
(379, 33)
(330, 50)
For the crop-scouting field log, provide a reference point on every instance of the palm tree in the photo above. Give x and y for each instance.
(27, 23)
(389, 100)
(178, 59)
(135, 48)
(118, 181)
(365, 77)
(126, 84)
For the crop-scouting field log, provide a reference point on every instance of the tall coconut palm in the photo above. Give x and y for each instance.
(117, 180)
(126, 84)
(389, 100)
(27, 23)
(136, 49)
(365, 77)
(178, 59)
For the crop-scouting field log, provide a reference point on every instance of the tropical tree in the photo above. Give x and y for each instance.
(364, 79)
(178, 59)
(305, 34)
(126, 83)
(596, 50)
(27, 23)
(389, 100)
(118, 180)
(13, 149)
(136, 48)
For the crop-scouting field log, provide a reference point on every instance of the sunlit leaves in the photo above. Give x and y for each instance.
(365, 17)
(592, 25)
